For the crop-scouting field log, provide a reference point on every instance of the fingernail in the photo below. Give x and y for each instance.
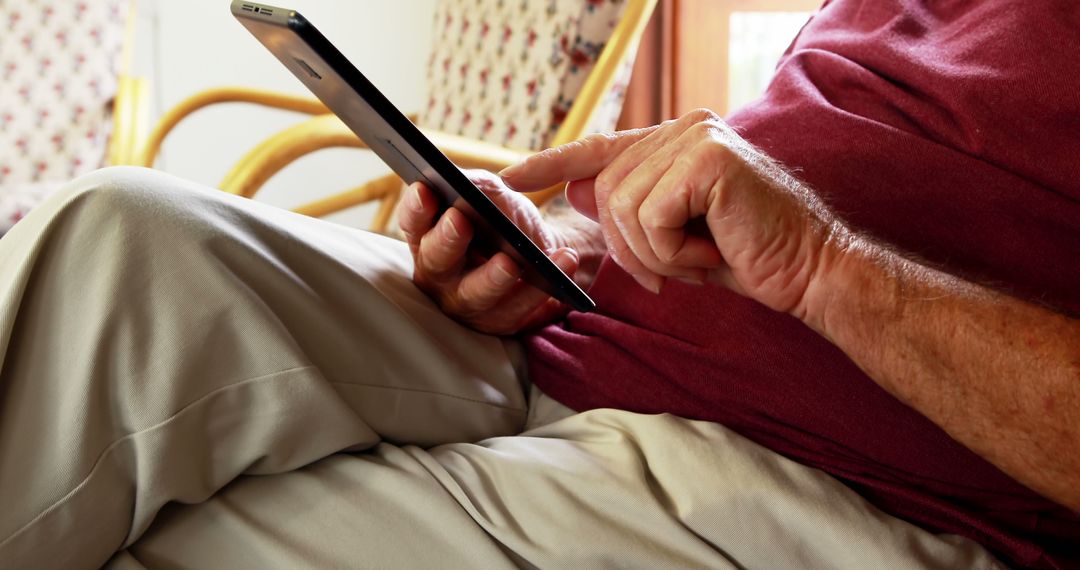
(502, 276)
(690, 280)
(694, 278)
(511, 170)
(414, 200)
(450, 229)
(649, 283)
(656, 283)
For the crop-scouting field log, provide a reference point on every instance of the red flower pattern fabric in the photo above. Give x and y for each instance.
(508, 71)
(59, 62)
(504, 71)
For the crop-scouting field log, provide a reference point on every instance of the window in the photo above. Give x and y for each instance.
(718, 54)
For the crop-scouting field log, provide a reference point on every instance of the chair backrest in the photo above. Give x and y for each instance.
(509, 71)
(59, 62)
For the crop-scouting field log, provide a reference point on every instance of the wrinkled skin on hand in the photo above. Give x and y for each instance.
(690, 199)
(487, 295)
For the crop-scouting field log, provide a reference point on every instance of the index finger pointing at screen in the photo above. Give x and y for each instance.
(576, 160)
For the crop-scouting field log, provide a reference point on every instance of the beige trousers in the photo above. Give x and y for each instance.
(193, 380)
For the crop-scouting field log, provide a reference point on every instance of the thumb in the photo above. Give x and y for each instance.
(582, 196)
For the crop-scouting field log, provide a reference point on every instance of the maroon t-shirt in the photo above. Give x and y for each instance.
(948, 128)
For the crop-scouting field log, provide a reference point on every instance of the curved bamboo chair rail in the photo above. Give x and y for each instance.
(326, 131)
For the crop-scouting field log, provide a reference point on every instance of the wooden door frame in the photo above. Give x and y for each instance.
(684, 55)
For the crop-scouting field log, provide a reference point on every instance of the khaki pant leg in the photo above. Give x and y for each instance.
(600, 489)
(158, 339)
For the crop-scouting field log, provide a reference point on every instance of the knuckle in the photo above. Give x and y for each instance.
(453, 304)
(648, 219)
(414, 230)
(702, 114)
(442, 247)
(618, 202)
(548, 152)
(599, 139)
(619, 218)
(428, 247)
(670, 123)
(423, 250)
(605, 181)
(423, 275)
(715, 151)
(703, 131)
(435, 266)
(569, 148)
(411, 227)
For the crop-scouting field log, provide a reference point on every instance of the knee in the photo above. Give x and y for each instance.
(120, 198)
(117, 190)
(133, 212)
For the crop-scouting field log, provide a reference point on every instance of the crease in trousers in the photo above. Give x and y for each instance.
(189, 379)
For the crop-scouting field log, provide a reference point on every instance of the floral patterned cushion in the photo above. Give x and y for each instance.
(507, 71)
(59, 60)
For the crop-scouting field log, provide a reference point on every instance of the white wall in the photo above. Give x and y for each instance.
(195, 44)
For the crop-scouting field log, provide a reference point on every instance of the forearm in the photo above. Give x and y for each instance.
(999, 375)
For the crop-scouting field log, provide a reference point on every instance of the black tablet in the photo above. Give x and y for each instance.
(346, 92)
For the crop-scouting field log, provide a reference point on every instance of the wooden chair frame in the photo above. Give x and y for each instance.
(326, 131)
(131, 105)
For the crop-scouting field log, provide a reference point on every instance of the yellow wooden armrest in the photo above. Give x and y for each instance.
(386, 188)
(472, 153)
(209, 97)
(269, 157)
(464, 152)
(328, 131)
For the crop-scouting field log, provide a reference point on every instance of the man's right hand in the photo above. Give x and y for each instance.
(488, 295)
